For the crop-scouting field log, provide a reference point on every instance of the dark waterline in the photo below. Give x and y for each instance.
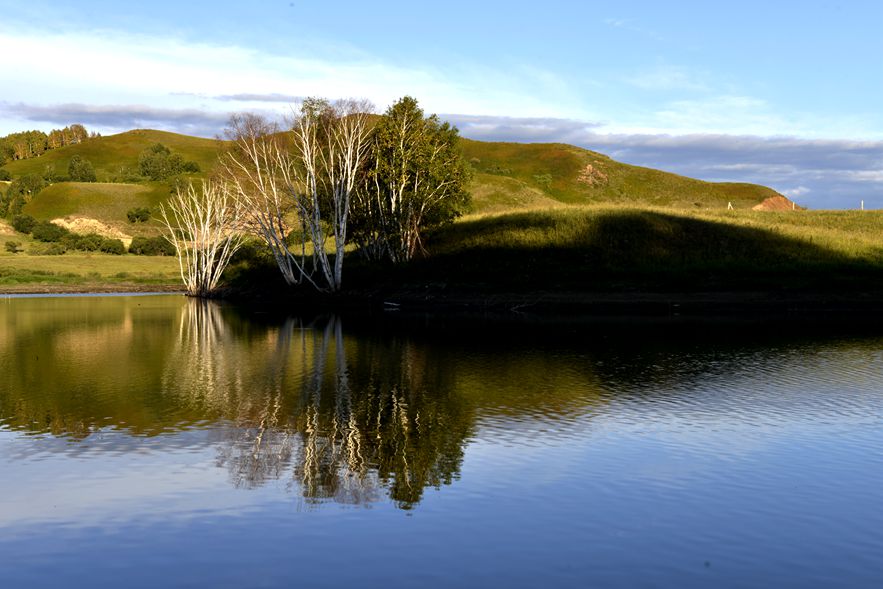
(164, 442)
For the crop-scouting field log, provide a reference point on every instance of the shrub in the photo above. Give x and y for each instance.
(125, 175)
(51, 175)
(48, 232)
(5, 176)
(113, 246)
(191, 167)
(87, 243)
(55, 249)
(151, 246)
(13, 247)
(138, 215)
(158, 162)
(81, 170)
(544, 180)
(23, 223)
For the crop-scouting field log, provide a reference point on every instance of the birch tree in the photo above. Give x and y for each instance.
(202, 227)
(301, 183)
(416, 181)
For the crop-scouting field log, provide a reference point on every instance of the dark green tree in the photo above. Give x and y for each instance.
(81, 170)
(415, 180)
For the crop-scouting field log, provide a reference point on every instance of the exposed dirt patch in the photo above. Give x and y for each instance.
(592, 176)
(6, 229)
(84, 225)
(777, 203)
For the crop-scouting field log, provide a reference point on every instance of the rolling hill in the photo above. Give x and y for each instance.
(506, 177)
(109, 154)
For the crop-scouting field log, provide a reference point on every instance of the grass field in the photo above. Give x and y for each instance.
(86, 272)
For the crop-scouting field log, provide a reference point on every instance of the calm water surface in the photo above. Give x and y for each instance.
(162, 442)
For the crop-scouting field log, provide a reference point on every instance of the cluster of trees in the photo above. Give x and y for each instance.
(157, 163)
(338, 175)
(28, 144)
(19, 193)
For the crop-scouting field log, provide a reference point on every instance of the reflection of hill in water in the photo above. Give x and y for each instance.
(345, 417)
(352, 416)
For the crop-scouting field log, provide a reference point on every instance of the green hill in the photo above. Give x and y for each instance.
(105, 202)
(540, 172)
(507, 176)
(109, 154)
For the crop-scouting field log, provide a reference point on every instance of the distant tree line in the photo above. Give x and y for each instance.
(28, 144)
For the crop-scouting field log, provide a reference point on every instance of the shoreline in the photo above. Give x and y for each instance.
(803, 304)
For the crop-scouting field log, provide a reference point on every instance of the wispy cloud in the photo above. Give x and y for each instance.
(169, 72)
(122, 117)
(667, 78)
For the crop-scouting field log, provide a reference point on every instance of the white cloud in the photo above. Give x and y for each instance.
(102, 67)
(796, 192)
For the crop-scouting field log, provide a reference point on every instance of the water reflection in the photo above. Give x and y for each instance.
(345, 420)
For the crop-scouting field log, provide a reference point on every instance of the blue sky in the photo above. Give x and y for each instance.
(783, 93)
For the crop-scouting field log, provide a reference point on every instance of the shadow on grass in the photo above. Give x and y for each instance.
(602, 250)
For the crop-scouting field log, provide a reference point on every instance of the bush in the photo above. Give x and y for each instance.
(191, 167)
(158, 162)
(86, 243)
(138, 215)
(56, 249)
(151, 246)
(23, 223)
(113, 246)
(81, 170)
(5, 176)
(49, 232)
(51, 176)
(125, 175)
(13, 247)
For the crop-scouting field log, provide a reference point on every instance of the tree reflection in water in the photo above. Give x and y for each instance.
(345, 419)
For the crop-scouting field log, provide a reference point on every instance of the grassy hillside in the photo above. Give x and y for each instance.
(630, 249)
(571, 175)
(106, 202)
(109, 154)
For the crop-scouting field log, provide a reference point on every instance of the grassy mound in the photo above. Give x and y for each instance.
(571, 175)
(109, 154)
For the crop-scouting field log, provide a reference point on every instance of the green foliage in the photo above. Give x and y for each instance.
(48, 232)
(54, 249)
(138, 215)
(51, 175)
(81, 170)
(5, 176)
(13, 247)
(544, 180)
(416, 181)
(86, 243)
(125, 175)
(23, 223)
(27, 187)
(113, 246)
(157, 163)
(151, 246)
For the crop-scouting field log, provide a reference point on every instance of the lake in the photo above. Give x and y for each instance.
(157, 441)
